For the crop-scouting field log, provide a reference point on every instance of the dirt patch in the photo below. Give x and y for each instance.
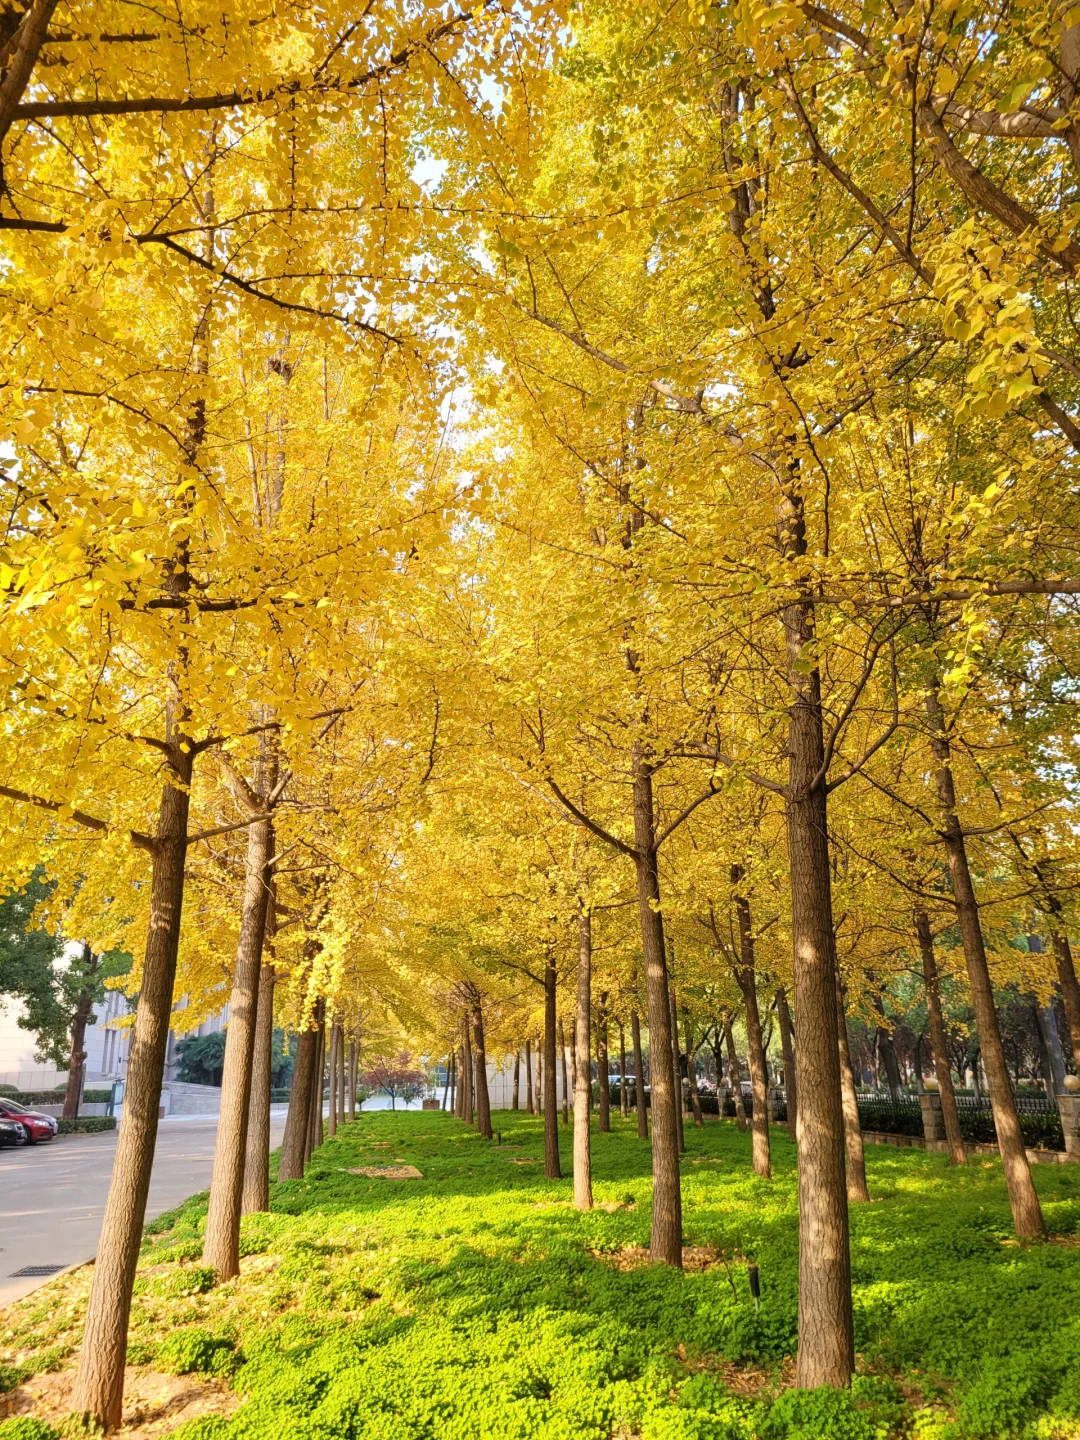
(633, 1257)
(386, 1172)
(611, 1206)
(523, 1160)
(153, 1403)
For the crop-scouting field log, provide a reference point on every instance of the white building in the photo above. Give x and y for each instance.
(107, 1047)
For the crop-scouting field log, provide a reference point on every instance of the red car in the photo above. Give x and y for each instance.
(36, 1125)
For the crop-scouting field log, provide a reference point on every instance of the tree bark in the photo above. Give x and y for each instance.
(333, 1068)
(734, 1075)
(624, 1109)
(691, 1073)
(562, 1071)
(315, 1116)
(602, 1067)
(583, 1198)
(552, 1168)
(529, 1103)
(857, 1188)
(1070, 992)
(826, 1332)
(483, 1099)
(79, 1021)
(639, 1078)
(887, 1051)
(516, 1102)
(1024, 1202)
(938, 1042)
(343, 1077)
(790, 1086)
(468, 1100)
(759, 1080)
(665, 1244)
(354, 1065)
(297, 1122)
(675, 1064)
(255, 1196)
(99, 1385)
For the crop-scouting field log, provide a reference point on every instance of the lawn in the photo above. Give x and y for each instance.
(474, 1303)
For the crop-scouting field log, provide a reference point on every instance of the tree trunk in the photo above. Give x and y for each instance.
(1026, 1211)
(1070, 992)
(483, 1099)
(99, 1385)
(562, 1071)
(938, 1042)
(315, 1115)
(467, 1099)
(552, 1169)
(783, 1014)
(529, 1103)
(826, 1332)
(583, 1199)
(759, 1080)
(354, 1065)
(342, 1078)
(77, 1058)
(255, 1196)
(857, 1188)
(320, 1123)
(333, 1067)
(639, 1078)
(516, 1102)
(691, 1073)
(602, 1065)
(665, 1244)
(734, 1075)
(675, 1065)
(887, 1051)
(624, 1109)
(298, 1121)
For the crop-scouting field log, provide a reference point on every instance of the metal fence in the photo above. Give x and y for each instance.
(1025, 1104)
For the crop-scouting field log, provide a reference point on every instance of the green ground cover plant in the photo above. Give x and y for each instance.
(476, 1304)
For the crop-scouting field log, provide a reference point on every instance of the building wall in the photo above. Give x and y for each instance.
(107, 1047)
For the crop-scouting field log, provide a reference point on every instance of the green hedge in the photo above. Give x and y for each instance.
(1041, 1131)
(52, 1097)
(86, 1125)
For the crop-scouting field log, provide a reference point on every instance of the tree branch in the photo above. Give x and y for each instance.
(91, 822)
(597, 830)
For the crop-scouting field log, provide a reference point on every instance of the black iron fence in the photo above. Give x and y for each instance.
(1040, 1123)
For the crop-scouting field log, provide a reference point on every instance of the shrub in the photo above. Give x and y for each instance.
(10, 1376)
(197, 1352)
(97, 1097)
(891, 1119)
(186, 1280)
(1006, 1396)
(86, 1125)
(822, 1414)
(24, 1427)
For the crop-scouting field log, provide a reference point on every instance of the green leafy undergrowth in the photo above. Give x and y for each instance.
(477, 1304)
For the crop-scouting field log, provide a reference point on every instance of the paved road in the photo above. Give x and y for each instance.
(52, 1196)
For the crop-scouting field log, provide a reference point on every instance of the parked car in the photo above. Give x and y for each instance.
(11, 1133)
(36, 1124)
